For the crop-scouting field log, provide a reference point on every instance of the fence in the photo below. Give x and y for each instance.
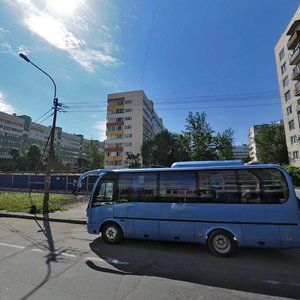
(30, 181)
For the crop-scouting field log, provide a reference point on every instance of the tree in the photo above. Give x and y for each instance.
(33, 157)
(134, 160)
(165, 149)
(271, 144)
(224, 144)
(199, 134)
(16, 159)
(95, 157)
(82, 164)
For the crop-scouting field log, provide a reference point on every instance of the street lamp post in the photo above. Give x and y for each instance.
(51, 155)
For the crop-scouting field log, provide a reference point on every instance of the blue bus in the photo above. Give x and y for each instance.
(223, 204)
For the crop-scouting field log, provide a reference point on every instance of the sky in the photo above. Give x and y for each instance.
(212, 56)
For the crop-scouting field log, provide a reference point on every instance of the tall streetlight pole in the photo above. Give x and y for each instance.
(51, 156)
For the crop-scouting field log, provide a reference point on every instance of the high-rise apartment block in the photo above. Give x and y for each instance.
(19, 132)
(287, 54)
(131, 120)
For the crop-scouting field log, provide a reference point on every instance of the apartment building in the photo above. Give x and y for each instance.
(131, 120)
(240, 151)
(19, 132)
(287, 55)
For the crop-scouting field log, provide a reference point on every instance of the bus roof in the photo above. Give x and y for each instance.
(205, 165)
(208, 163)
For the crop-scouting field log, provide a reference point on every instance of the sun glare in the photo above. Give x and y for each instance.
(64, 7)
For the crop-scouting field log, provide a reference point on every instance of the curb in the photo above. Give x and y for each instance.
(35, 217)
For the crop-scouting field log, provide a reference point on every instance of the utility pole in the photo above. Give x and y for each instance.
(51, 154)
(51, 159)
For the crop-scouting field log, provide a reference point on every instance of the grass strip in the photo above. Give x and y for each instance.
(22, 202)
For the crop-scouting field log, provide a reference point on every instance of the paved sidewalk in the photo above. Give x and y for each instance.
(74, 214)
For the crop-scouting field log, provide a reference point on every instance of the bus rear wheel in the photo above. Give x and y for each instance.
(112, 233)
(221, 243)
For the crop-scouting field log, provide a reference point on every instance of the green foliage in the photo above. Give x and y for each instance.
(271, 144)
(224, 144)
(22, 202)
(33, 158)
(95, 156)
(200, 138)
(164, 149)
(202, 142)
(134, 160)
(197, 142)
(294, 172)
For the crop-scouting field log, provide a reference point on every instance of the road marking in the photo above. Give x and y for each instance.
(12, 246)
(95, 259)
(108, 260)
(278, 282)
(38, 250)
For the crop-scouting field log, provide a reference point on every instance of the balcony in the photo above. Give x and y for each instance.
(296, 73)
(294, 40)
(297, 89)
(293, 28)
(295, 57)
(116, 149)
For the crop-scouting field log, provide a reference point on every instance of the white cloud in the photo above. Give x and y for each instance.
(101, 127)
(3, 31)
(56, 33)
(5, 106)
(6, 48)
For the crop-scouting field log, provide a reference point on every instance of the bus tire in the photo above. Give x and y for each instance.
(221, 243)
(112, 233)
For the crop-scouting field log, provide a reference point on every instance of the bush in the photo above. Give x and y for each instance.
(294, 173)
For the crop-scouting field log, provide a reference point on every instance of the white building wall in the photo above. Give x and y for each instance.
(289, 102)
(131, 119)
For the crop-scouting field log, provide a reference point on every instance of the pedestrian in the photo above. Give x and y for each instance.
(74, 186)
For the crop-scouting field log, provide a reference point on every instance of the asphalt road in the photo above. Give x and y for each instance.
(62, 261)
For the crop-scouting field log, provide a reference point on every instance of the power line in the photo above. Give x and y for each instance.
(42, 115)
(215, 98)
(186, 108)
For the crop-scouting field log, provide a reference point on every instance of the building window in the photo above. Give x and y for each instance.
(295, 154)
(281, 54)
(291, 125)
(128, 101)
(287, 95)
(285, 81)
(283, 68)
(128, 109)
(293, 139)
(289, 110)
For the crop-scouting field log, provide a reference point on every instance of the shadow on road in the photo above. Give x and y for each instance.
(51, 255)
(251, 270)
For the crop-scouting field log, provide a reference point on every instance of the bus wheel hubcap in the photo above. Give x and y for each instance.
(221, 243)
(111, 233)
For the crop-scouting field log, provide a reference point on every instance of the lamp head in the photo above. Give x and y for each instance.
(24, 57)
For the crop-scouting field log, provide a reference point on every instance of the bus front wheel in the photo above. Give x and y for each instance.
(221, 243)
(112, 233)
